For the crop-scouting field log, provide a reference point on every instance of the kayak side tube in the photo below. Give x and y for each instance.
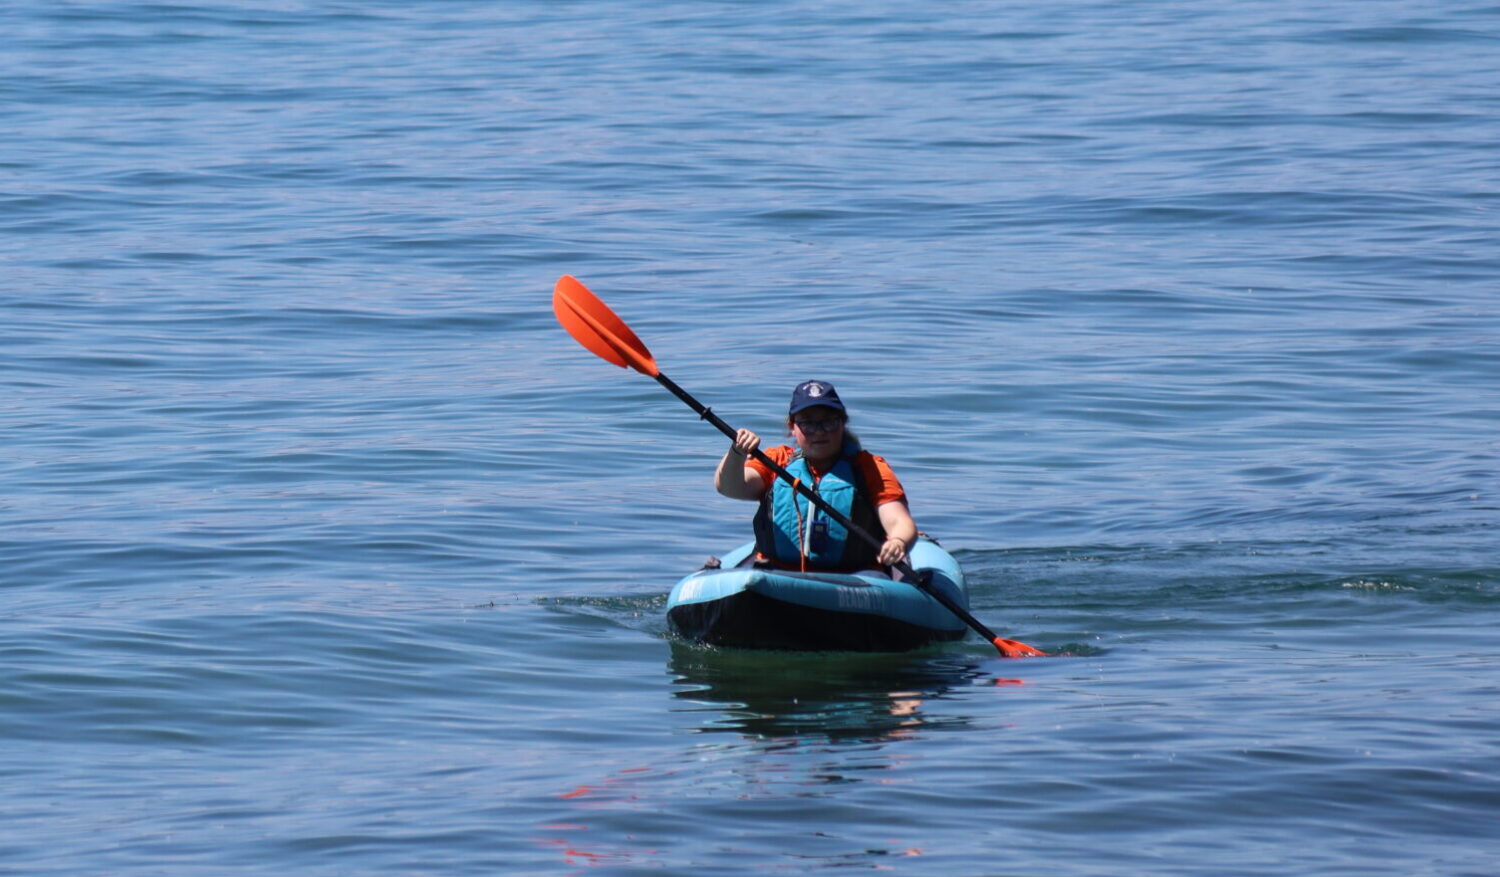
(740, 606)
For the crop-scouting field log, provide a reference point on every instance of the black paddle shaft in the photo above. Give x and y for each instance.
(906, 569)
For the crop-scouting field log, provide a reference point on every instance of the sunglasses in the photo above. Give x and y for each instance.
(814, 427)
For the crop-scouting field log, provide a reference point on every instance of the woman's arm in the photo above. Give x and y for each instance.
(733, 478)
(900, 531)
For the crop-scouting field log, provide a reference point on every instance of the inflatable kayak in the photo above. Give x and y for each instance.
(737, 605)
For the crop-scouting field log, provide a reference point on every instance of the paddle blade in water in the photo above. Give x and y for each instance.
(596, 327)
(1010, 648)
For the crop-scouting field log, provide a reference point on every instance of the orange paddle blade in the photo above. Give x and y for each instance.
(1010, 648)
(596, 327)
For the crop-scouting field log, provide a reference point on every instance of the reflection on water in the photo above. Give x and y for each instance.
(839, 696)
(802, 727)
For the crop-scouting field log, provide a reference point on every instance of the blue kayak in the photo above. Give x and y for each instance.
(739, 606)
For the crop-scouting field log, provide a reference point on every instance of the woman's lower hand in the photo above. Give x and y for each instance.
(892, 552)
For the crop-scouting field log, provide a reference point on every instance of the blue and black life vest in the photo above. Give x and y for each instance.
(789, 523)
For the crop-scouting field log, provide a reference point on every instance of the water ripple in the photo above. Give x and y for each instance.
(326, 551)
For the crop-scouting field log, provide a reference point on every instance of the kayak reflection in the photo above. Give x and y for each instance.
(837, 695)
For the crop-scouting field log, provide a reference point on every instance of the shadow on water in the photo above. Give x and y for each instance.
(834, 695)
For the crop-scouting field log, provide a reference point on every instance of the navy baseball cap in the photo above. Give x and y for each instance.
(813, 393)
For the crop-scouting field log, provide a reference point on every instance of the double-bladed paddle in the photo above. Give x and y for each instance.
(599, 329)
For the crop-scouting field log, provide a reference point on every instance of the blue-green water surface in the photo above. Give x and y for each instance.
(323, 550)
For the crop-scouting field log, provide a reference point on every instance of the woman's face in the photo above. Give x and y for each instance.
(819, 432)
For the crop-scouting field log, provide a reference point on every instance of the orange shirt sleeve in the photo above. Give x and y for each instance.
(880, 480)
(780, 455)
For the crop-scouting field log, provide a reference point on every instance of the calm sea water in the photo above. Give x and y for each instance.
(323, 550)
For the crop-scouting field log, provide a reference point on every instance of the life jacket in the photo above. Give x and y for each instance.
(791, 531)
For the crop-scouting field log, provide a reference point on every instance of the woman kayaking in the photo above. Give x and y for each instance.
(792, 532)
(734, 604)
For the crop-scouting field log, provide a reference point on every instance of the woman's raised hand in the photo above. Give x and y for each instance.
(745, 443)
